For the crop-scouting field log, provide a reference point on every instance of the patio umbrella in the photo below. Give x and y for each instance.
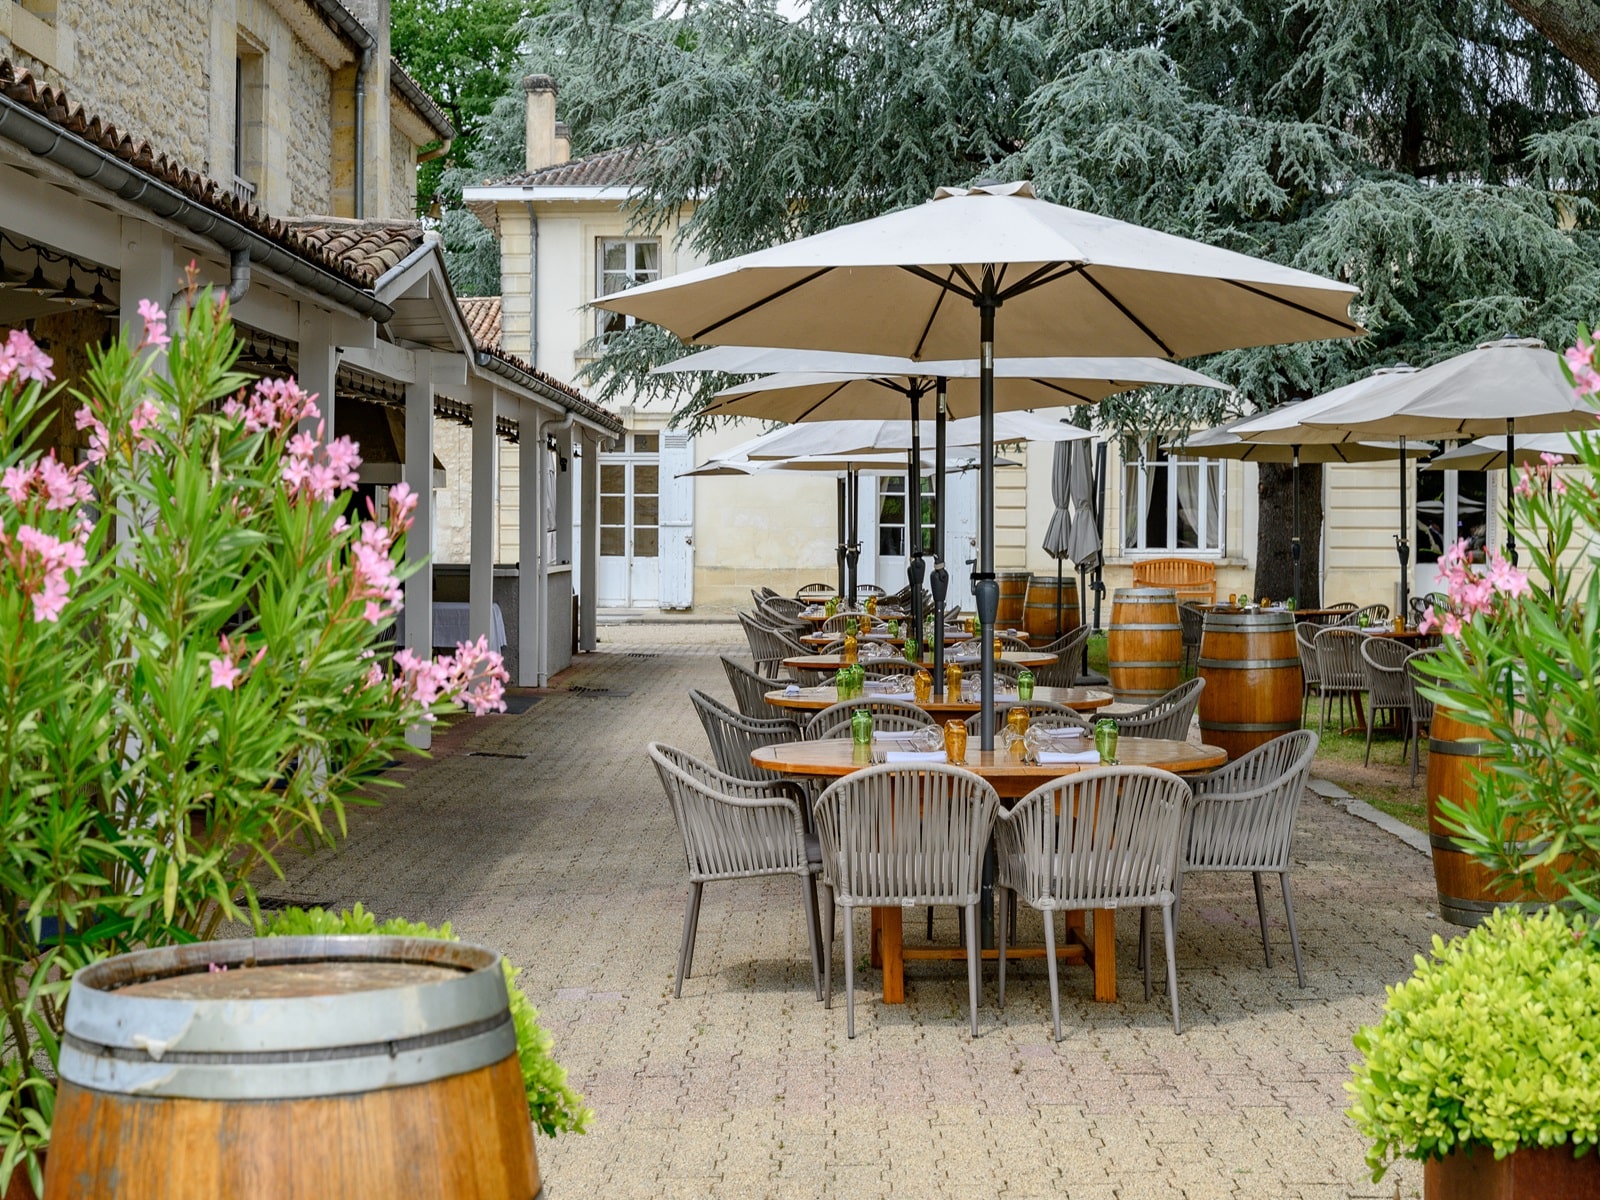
(929, 282)
(1500, 386)
(1058, 534)
(1223, 441)
(1489, 454)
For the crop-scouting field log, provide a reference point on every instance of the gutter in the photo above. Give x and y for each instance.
(49, 141)
(505, 370)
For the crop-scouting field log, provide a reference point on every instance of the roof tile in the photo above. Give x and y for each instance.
(595, 170)
(482, 315)
(371, 248)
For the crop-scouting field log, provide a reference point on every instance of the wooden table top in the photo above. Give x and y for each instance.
(1011, 777)
(1405, 635)
(883, 614)
(817, 698)
(951, 637)
(832, 662)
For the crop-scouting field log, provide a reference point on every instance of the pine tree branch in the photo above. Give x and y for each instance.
(1573, 27)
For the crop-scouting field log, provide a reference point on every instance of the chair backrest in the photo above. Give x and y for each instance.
(905, 834)
(730, 827)
(1420, 670)
(813, 588)
(781, 606)
(1243, 815)
(750, 689)
(870, 589)
(1339, 659)
(1168, 717)
(1375, 613)
(733, 735)
(1098, 839)
(1304, 634)
(1383, 667)
(1348, 606)
(767, 646)
(1002, 670)
(1069, 650)
(1193, 622)
(1062, 716)
(1007, 642)
(839, 622)
(1189, 578)
(888, 716)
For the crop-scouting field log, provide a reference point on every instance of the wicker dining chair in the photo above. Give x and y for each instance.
(811, 588)
(1305, 633)
(1242, 818)
(896, 836)
(870, 589)
(1341, 606)
(782, 607)
(1193, 622)
(1007, 642)
(750, 689)
(1420, 673)
(1377, 614)
(1167, 717)
(1069, 650)
(1339, 667)
(737, 829)
(1383, 666)
(889, 715)
(733, 736)
(768, 647)
(1105, 838)
(1037, 711)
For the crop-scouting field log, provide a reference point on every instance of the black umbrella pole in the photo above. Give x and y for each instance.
(1402, 543)
(914, 564)
(852, 552)
(1511, 491)
(842, 499)
(985, 589)
(940, 579)
(1294, 538)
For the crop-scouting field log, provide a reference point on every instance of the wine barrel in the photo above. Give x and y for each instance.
(1039, 611)
(1254, 689)
(1144, 644)
(1468, 892)
(360, 1067)
(1013, 595)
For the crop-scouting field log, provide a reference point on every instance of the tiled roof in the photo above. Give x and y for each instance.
(594, 170)
(483, 321)
(482, 315)
(53, 104)
(400, 79)
(368, 248)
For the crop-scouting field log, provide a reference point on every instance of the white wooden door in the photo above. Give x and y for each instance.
(630, 483)
(676, 536)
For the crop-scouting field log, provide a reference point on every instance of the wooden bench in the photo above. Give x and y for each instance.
(1190, 578)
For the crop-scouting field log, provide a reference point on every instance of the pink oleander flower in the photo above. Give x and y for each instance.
(147, 414)
(224, 674)
(1580, 356)
(62, 487)
(99, 438)
(374, 573)
(40, 563)
(319, 471)
(155, 325)
(22, 360)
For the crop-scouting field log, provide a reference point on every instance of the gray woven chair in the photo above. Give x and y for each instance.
(1194, 623)
(1037, 711)
(768, 646)
(1168, 717)
(870, 589)
(1342, 606)
(750, 690)
(1375, 614)
(1383, 666)
(736, 829)
(781, 608)
(1242, 818)
(1069, 650)
(1339, 667)
(1007, 642)
(1106, 838)
(1304, 634)
(733, 736)
(888, 716)
(1419, 671)
(813, 588)
(838, 623)
(895, 836)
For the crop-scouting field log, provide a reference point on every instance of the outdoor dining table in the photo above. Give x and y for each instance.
(883, 614)
(951, 637)
(1012, 778)
(940, 708)
(832, 662)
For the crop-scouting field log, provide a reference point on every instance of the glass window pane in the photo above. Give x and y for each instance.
(644, 543)
(614, 255)
(646, 260)
(645, 480)
(613, 479)
(646, 443)
(613, 510)
(612, 541)
(892, 540)
(644, 510)
(1130, 506)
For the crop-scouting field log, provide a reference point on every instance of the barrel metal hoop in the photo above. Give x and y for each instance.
(1456, 749)
(1172, 663)
(1248, 726)
(1459, 910)
(1443, 841)
(1249, 664)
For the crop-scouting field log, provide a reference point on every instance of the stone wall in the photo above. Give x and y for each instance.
(452, 512)
(402, 176)
(311, 146)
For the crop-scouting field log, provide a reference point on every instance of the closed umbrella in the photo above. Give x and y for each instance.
(931, 281)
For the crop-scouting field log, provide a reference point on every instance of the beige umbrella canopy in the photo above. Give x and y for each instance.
(1489, 454)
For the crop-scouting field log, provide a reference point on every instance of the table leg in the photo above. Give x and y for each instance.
(991, 864)
(875, 950)
(1105, 954)
(892, 948)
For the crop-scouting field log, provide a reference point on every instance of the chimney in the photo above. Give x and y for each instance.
(563, 142)
(542, 145)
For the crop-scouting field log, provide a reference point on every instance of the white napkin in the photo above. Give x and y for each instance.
(792, 690)
(1047, 757)
(915, 756)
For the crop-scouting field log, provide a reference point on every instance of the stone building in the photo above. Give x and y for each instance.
(274, 143)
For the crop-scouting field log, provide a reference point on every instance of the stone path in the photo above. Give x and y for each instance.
(545, 835)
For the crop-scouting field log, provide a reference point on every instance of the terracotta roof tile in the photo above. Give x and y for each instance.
(483, 321)
(370, 248)
(482, 315)
(594, 170)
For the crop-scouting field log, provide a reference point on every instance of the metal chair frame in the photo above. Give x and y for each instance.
(889, 714)
(1383, 663)
(1167, 717)
(750, 688)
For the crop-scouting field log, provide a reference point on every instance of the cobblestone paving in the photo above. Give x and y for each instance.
(545, 835)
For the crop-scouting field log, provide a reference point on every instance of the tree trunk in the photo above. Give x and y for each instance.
(1573, 27)
(1275, 532)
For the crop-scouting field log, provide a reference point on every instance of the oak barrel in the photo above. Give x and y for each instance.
(1013, 595)
(1254, 689)
(356, 1067)
(1144, 644)
(1468, 892)
(1039, 612)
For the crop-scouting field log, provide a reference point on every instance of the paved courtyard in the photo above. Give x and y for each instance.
(545, 835)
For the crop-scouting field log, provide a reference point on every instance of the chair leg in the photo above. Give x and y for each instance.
(1172, 966)
(827, 949)
(1294, 934)
(1050, 969)
(849, 972)
(930, 922)
(691, 922)
(1261, 913)
(1372, 723)
(808, 897)
(1000, 946)
(974, 957)
(1144, 949)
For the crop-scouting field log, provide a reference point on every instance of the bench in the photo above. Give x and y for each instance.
(1190, 578)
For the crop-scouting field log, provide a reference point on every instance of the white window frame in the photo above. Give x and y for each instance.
(631, 271)
(1138, 472)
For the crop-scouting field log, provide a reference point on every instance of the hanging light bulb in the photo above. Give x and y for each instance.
(70, 295)
(37, 283)
(98, 298)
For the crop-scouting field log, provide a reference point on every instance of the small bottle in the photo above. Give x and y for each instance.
(922, 684)
(972, 626)
(871, 606)
(1024, 684)
(832, 606)
(1017, 720)
(850, 647)
(861, 727)
(1399, 624)
(998, 648)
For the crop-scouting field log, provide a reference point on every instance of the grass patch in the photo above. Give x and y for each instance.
(1385, 783)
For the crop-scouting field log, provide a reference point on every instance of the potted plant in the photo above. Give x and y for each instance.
(1486, 1063)
(195, 669)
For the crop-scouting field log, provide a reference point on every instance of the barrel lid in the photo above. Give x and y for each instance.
(1256, 621)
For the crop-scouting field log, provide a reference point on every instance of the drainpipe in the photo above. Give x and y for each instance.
(363, 65)
(438, 151)
(238, 279)
(533, 285)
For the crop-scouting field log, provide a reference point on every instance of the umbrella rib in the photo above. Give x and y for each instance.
(1066, 391)
(1123, 309)
(932, 316)
(761, 303)
(944, 284)
(1041, 277)
(1310, 312)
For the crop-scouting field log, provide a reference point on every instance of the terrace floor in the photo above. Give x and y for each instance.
(545, 835)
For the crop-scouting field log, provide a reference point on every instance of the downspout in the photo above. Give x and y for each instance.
(438, 151)
(533, 285)
(238, 279)
(363, 65)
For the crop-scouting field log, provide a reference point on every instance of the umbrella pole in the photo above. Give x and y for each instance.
(852, 552)
(1294, 537)
(985, 590)
(1511, 472)
(1401, 542)
(842, 500)
(914, 563)
(940, 579)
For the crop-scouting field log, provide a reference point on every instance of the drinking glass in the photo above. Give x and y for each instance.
(922, 681)
(861, 727)
(955, 741)
(1024, 685)
(1105, 740)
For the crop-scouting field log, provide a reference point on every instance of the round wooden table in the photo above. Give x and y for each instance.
(1012, 779)
(832, 662)
(815, 699)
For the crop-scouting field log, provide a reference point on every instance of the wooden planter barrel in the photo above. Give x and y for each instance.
(1468, 892)
(1039, 613)
(1531, 1173)
(1013, 597)
(365, 1068)
(1251, 665)
(1144, 644)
